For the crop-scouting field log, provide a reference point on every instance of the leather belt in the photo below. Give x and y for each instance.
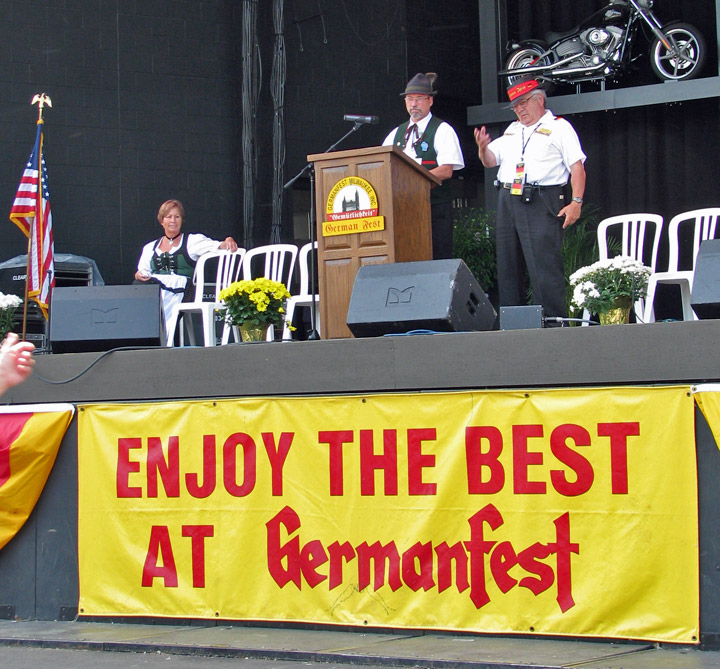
(507, 186)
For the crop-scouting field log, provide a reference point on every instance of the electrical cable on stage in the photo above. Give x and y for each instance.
(94, 362)
(559, 319)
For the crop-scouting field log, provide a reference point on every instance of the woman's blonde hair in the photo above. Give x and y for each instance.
(166, 206)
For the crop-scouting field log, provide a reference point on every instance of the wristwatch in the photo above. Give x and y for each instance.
(578, 199)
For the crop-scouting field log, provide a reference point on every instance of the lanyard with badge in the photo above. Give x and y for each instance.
(519, 180)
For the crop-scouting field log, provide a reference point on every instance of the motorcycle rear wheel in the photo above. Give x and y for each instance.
(687, 57)
(526, 56)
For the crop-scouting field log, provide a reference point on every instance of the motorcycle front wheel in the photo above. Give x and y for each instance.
(684, 59)
(526, 56)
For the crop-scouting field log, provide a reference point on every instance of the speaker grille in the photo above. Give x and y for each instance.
(438, 295)
(98, 318)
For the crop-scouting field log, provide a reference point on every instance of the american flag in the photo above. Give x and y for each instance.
(31, 213)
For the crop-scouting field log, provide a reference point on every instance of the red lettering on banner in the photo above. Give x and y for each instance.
(370, 461)
(230, 464)
(478, 549)
(486, 474)
(169, 469)
(562, 549)
(379, 555)
(289, 553)
(476, 460)
(421, 556)
(339, 553)
(387, 462)
(198, 534)
(192, 482)
(277, 455)
(584, 475)
(312, 556)
(291, 562)
(125, 467)
(160, 550)
(502, 560)
(618, 433)
(531, 561)
(335, 439)
(447, 556)
(164, 471)
(159, 543)
(417, 461)
(523, 458)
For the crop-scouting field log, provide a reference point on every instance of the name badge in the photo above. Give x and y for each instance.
(519, 180)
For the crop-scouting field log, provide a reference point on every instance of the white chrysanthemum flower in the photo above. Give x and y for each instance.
(597, 286)
(9, 301)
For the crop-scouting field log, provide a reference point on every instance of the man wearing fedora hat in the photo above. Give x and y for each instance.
(538, 156)
(433, 144)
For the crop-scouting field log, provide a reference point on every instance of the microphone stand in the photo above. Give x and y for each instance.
(309, 169)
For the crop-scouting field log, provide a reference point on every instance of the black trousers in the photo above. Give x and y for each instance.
(442, 230)
(529, 240)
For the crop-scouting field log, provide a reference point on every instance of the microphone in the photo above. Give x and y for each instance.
(372, 120)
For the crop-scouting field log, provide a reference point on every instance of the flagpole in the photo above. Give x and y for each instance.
(41, 100)
(25, 301)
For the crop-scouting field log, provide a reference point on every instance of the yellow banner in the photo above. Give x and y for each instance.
(353, 226)
(570, 512)
(30, 437)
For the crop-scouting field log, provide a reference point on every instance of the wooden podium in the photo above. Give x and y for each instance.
(402, 191)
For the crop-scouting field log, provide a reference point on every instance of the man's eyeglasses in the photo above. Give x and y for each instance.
(522, 103)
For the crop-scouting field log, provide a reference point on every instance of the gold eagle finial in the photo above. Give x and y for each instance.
(41, 99)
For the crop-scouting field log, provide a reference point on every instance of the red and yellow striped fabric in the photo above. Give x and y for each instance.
(30, 437)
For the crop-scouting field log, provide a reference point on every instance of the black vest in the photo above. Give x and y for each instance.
(425, 150)
(179, 262)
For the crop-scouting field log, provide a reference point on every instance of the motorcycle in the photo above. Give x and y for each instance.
(602, 48)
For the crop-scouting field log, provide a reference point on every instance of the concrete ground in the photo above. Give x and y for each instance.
(58, 645)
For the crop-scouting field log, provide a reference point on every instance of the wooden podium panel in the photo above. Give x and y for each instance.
(403, 194)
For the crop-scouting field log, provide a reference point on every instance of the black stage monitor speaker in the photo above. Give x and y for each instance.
(438, 295)
(525, 317)
(705, 298)
(98, 318)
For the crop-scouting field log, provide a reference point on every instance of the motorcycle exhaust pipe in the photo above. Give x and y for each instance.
(532, 69)
(553, 69)
(580, 70)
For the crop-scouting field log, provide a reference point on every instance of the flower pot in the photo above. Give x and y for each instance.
(252, 332)
(619, 314)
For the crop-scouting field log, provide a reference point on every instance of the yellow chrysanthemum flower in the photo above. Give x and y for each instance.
(260, 300)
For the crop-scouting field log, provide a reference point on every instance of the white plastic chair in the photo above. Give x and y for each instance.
(704, 222)
(275, 262)
(303, 298)
(639, 236)
(229, 265)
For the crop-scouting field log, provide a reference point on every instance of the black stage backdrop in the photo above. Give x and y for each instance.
(147, 105)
